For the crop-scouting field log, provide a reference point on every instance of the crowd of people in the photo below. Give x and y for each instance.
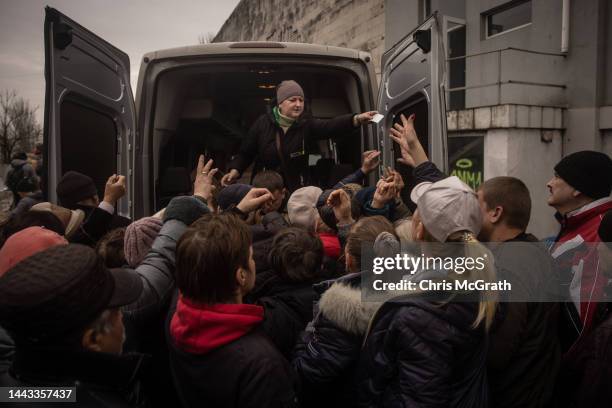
(250, 295)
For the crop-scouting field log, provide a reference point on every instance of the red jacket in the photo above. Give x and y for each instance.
(573, 255)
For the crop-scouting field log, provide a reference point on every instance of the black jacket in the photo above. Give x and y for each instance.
(419, 353)
(524, 351)
(101, 379)
(585, 379)
(327, 353)
(263, 234)
(287, 308)
(247, 372)
(97, 223)
(260, 145)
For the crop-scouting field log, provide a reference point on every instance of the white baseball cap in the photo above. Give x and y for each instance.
(447, 206)
(302, 207)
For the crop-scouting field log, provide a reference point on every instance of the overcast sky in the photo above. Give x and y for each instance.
(134, 26)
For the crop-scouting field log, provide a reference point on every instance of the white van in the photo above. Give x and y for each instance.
(203, 99)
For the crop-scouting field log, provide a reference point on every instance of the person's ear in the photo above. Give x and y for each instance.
(89, 341)
(495, 214)
(241, 277)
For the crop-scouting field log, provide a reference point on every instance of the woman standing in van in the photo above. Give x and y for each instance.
(277, 139)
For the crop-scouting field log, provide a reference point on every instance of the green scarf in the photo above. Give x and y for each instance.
(282, 120)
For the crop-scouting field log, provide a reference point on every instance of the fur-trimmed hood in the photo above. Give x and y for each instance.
(342, 304)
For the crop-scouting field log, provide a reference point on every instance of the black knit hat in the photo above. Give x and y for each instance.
(61, 290)
(587, 171)
(605, 229)
(74, 187)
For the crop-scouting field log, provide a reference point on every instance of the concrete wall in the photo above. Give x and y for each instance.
(358, 24)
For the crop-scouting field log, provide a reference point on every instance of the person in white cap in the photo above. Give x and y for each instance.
(429, 347)
(277, 140)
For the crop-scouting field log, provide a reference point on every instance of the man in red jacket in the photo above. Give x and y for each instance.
(580, 191)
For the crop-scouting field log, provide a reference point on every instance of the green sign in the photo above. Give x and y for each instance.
(466, 159)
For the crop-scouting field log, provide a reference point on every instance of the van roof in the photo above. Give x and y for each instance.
(257, 47)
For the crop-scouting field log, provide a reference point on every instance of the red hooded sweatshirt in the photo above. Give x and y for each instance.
(200, 329)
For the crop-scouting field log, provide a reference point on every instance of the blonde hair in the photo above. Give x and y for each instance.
(474, 249)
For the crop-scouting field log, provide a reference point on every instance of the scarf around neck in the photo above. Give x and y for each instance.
(282, 120)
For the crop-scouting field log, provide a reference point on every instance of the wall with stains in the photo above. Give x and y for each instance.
(358, 24)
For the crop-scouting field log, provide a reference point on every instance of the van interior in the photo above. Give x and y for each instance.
(208, 109)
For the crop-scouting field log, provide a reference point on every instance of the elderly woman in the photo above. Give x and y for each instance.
(277, 139)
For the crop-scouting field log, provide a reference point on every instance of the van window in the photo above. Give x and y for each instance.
(88, 133)
(416, 104)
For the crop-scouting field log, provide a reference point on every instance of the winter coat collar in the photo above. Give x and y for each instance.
(584, 213)
(200, 329)
(342, 304)
(61, 367)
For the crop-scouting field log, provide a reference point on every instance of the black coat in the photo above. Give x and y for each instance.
(585, 379)
(422, 354)
(260, 145)
(326, 355)
(248, 372)
(263, 234)
(97, 223)
(287, 308)
(524, 351)
(101, 379)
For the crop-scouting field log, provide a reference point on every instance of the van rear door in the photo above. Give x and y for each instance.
(412, 74)
(89, 107)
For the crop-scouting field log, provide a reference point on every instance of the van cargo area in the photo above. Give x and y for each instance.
(208, 109)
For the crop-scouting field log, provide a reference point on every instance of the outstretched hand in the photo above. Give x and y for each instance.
(230, 178)
(369, 161)
(114, 189)
(255, 198)
(340, 203)
(365, 117)
(404, 134)
(203, 186)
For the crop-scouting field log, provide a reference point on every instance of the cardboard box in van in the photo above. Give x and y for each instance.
(203, 99)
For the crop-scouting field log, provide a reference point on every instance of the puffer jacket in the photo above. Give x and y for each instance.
(421, 353)
(260, 145)
(326, 356)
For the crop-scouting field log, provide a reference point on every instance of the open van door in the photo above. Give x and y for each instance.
(411, 82)
(89, 107)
